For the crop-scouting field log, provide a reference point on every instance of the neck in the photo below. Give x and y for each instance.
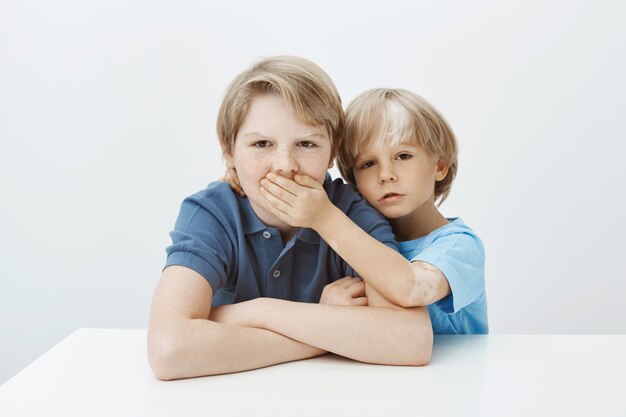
(287, 235)
(418, 223)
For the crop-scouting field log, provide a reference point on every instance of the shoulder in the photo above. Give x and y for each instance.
(339, 192)
(217, 203)
(457, 235)
(347, 198)
(217, 193)
(456, 229)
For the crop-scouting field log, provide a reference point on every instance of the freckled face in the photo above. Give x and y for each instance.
(273, 139)
(398, 180)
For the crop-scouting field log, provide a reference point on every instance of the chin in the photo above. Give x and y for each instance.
(393, 213)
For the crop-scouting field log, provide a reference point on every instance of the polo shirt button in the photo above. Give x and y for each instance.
(266, 234)
(276, 273)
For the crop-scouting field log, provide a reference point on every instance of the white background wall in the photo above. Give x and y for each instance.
(107, 115)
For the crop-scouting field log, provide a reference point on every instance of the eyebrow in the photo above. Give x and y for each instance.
(362, 157)
(310, 136)
(370, 154)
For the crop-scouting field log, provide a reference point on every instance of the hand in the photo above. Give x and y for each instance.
(347, 291)
(240, 314)
(232, 179)
(301, 202)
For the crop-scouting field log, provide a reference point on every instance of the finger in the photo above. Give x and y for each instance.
(357, 289)
(285, 183)
(275, 201)
(278, 192)
(232, 179)
(344, 282)
(356, 280)
(237, 187)
(361, 301)
(351, 281)
(282, 215)
(307, 181)
(235, 179)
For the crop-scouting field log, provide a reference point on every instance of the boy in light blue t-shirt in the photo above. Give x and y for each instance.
(402, 156)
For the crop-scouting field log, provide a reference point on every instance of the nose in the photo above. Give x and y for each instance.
(387, 174)
(285, 163)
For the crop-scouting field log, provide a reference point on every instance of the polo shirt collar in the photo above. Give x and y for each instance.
(250, 222)
(309, 236)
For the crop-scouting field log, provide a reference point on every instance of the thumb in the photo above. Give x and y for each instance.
(307, 181)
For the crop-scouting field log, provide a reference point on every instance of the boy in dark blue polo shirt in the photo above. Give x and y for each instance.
(240, 287)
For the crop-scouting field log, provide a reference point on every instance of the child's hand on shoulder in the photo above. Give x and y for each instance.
(301, 202)
(232, 179)
(347, 291)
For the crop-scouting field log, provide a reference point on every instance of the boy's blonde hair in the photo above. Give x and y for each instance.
(392, 116)
(306, 88)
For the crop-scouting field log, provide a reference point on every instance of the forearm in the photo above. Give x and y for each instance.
(368, 334)
(203, 347)
(304, 203)
(382, 267)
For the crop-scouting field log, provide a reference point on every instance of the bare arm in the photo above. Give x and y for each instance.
(382, 333)
(305, 204)
(405, 283)
(182, 343)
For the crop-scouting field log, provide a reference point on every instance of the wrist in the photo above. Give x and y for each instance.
(325, 218)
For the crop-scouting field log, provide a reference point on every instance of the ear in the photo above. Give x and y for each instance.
(331, 163)
(442, 170)
(228, 158)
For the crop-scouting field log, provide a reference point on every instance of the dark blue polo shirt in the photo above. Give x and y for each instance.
(218, 235)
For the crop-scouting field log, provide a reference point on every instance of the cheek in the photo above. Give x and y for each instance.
(315, 166)
(251, 168)
(363, 184)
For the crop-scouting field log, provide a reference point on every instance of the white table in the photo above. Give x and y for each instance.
(104, 372)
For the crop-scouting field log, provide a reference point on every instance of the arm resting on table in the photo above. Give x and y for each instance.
(381, 333)
(182, 343)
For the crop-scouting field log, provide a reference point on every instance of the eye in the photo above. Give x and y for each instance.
(404, 155)
(261, 144)
(366, 164)
(307, 144)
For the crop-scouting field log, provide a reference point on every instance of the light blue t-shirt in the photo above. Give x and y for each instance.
(459, 254)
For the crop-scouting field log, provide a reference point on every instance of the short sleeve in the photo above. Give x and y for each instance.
(201, 242)
(461, 258)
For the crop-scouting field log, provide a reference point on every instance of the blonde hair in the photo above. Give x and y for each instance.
(393, 116)
(306, 88)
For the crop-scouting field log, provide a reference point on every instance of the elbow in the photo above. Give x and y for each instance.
(411, 296)
(420, 351)
(162, 357)
(419, 347)
(423, 354)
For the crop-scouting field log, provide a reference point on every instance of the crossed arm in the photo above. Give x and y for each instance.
(186, 340)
